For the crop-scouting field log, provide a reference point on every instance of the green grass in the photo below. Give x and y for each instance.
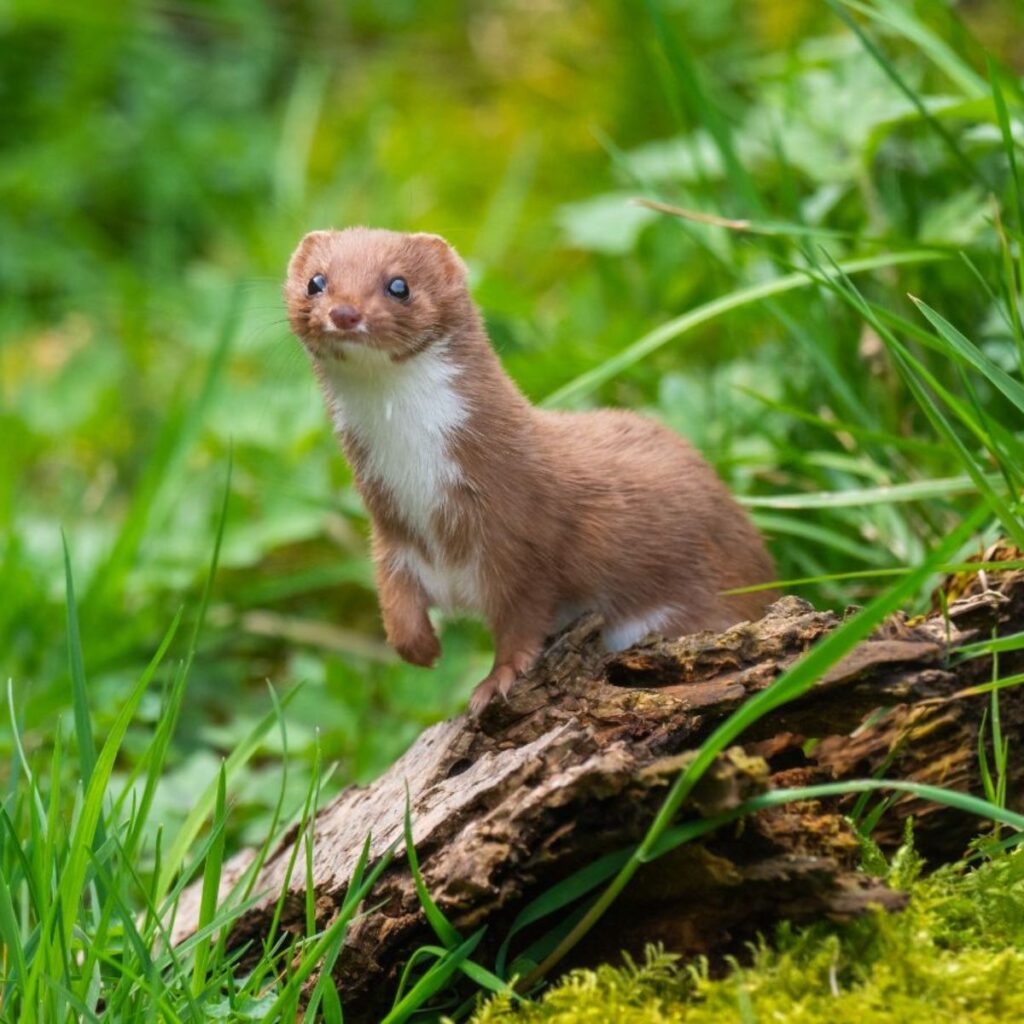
(832, 314)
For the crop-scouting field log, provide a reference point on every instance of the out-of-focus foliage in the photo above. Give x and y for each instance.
(158, 162)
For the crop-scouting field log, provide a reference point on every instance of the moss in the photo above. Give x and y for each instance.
(955, 954)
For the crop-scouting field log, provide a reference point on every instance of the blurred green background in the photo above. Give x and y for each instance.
(159, 161)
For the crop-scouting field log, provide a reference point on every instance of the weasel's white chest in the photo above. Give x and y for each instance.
(403, 416)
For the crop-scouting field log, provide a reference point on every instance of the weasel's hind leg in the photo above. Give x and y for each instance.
(497, 683)
(518, 640)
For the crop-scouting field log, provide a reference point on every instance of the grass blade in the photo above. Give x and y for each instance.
(73, 875)
(691, 830)
(211, 884)
(441, 925)
(589, 381)
(434, 980)
(993, 498)
(324, 989)
(568, 891)
(900, 17)
(972, 355)
(157, 752)
(917, 490)
(1012, 642)
(1009, 144)
(80, 698)
(703, 106)
(12, 941)
(480, 975)
(868, 574)
(910, 369)
(317, 951)
(975, 806)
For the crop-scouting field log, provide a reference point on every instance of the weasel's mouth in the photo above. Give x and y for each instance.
(360, 332)
(335, 343)
(330, 334)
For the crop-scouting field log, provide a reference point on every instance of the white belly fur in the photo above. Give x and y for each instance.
(451, 586)
(617, 636)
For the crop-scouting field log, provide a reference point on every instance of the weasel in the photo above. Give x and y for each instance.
(478, 500)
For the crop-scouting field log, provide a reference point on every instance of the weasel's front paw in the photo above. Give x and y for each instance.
(423, 649)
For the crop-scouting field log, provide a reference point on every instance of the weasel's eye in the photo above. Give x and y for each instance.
(316, 284)
(398, 288)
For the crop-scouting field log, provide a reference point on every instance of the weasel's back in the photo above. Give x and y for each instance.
(649, 507)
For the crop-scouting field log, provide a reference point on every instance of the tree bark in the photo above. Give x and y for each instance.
(578, 760)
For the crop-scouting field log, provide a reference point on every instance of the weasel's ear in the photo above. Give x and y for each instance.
(302, 250)
(452, 260)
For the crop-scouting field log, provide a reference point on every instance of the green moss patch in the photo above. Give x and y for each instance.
(956, 953)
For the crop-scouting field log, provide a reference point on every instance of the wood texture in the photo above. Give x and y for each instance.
(578, 760)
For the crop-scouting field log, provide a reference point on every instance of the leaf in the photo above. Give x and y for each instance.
(608, 223)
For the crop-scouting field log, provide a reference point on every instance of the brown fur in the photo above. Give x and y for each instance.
(562, 511)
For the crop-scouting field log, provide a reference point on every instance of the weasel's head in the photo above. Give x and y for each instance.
(366, 288)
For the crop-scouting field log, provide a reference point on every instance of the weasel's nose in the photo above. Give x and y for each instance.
(345, 317)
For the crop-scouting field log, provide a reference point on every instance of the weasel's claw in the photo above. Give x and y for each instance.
(498, 684)
(482, 696)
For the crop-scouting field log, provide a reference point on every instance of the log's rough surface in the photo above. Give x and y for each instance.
(577, 761)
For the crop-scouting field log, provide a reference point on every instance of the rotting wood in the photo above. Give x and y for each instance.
(578, 760)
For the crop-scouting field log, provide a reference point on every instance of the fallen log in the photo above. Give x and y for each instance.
(578, 760)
